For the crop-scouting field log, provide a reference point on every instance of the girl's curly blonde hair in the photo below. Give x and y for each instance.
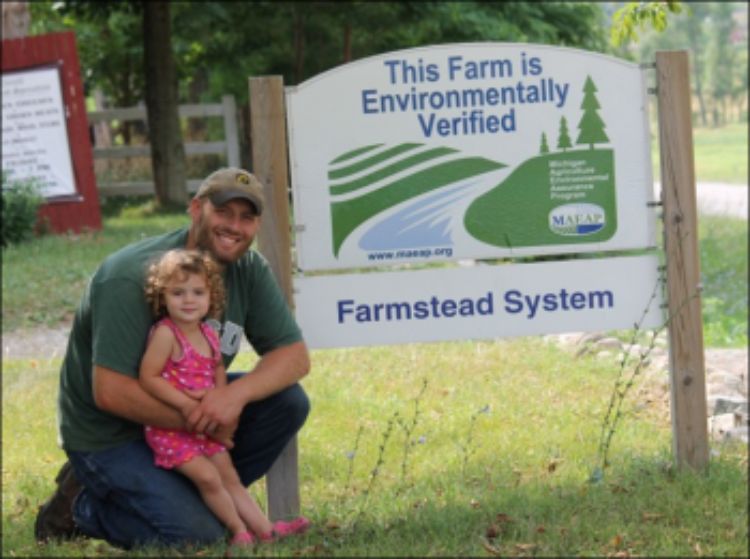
(177, 264)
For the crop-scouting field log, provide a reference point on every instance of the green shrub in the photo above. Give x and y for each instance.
(21, 201)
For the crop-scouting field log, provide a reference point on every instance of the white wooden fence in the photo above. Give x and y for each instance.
(229, 146)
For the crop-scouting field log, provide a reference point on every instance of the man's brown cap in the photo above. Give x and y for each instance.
(230, 183)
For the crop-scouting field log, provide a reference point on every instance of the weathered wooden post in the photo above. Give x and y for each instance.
(231, 136)
(269, 155)
(16, 19)
(686, 358)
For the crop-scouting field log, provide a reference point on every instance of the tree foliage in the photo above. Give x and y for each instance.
(217, 45)
(20, 205)
(718, 57)
(109, 37)
(638, 15)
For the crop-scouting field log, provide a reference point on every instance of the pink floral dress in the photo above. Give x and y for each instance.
(193, 371)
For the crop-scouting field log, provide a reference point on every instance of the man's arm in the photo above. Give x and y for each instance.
(275, 371)
(124, 397)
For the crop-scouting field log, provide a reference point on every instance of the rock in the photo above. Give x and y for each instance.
(566, 340)
(738, 434)
(726, 426)
(635, 350)
(721, 404)
(723, 382)
(609, 343)
(590, 338)
(659, 364)
(726, 378)
(734, 360)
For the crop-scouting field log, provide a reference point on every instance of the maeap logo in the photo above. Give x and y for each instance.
(577, 219)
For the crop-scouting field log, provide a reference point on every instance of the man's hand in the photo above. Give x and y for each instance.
(188, 407)
(217, 414)
(195, 397)
(224, 434)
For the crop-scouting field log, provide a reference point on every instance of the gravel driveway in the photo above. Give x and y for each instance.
(715, 198)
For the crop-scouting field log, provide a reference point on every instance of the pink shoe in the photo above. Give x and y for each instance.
(243, 539)
(282, 529)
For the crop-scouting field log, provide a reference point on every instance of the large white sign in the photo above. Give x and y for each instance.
(35, 138)
(480, 302)
(481, 150)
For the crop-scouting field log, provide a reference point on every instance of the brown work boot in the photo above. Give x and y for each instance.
(55, 517)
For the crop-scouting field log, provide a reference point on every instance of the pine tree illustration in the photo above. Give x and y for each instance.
(563, 140)
(591, 126)
(544, 148)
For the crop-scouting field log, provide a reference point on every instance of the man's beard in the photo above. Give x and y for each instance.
(203, 242)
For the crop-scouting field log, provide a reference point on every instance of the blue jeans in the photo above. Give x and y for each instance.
(130, 502)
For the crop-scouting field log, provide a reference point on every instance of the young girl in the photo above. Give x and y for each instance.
(181, 363)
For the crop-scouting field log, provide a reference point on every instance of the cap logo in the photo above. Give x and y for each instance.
(241, 178)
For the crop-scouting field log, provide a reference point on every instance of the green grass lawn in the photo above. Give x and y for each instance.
(724, 267)
(66, 262)
(720, 153)
(461, 448)
(458, 449)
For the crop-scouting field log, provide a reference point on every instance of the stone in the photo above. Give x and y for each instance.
(723, 403)
(722, 427)
(591, 337)
(609, 343)
(723, 382)
(738, 434)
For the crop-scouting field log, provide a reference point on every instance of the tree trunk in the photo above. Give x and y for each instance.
(165, 137)
(246, 145)
(197, 127)
(124, 97)
(699, 91)
(347, 42)
(299, 44)
(695, 39)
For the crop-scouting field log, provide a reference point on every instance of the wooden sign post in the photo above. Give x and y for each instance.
(269, 152)
(686, 359)
(688, 398)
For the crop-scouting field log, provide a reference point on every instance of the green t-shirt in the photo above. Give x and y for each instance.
(113, 321)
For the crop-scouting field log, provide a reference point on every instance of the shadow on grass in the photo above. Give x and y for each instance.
(644, 507)
(510, 500)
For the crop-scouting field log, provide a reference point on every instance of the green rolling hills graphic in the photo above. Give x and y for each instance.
(392, 169)
(353, 168)
(520, 210)
(354, 153)
(350, 213)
